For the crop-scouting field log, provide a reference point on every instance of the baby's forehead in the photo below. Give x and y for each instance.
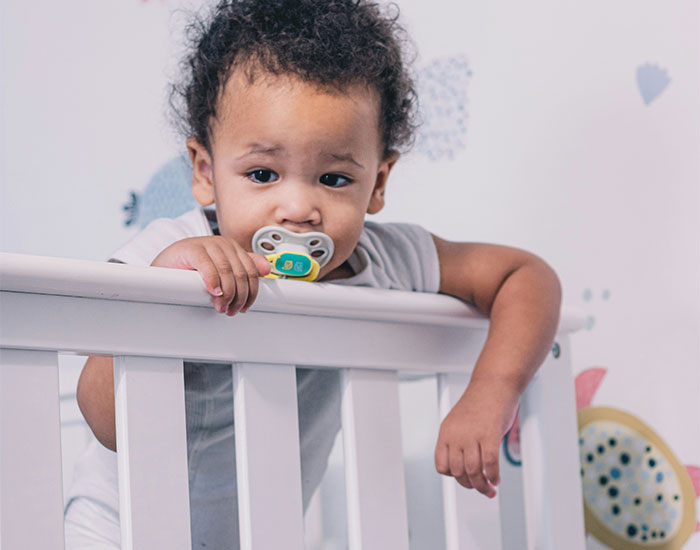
(246, 81)
(269, 103)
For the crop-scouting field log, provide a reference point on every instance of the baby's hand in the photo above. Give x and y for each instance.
(470, 435)
(230, 274)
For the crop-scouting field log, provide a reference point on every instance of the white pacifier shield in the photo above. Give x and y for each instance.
(273, 239)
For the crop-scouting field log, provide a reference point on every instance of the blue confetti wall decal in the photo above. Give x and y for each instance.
(442, 96)
(652, 80)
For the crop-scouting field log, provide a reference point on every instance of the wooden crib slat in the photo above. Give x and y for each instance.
(550, 455)
(152, 453)
(31, 479)
(268, 463)
(511, 504)
(374, 473)
(469, 515)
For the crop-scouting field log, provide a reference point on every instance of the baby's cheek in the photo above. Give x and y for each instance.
(244, 240)
(345, 243)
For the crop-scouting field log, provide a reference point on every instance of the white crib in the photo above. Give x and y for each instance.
(151, 319)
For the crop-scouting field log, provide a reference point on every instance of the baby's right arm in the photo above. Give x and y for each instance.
(230, 275)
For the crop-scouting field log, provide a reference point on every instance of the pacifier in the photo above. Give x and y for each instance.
(293, 255)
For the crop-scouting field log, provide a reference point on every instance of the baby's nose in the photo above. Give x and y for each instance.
(298, 204)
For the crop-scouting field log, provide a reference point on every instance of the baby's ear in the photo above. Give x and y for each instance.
(202, 181)
(376, 200)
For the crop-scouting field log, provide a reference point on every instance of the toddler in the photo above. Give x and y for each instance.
(294, 113)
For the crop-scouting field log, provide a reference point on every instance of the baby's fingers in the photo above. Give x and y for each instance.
(464, 481)
(489, 459)
(238, 278)
(261, 264)
(203, 263)
(250, 271)
(442, 463)
(456, 459)
(225, 273)
(474, 469)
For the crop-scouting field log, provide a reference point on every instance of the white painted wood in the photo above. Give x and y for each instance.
(511, 503)
(268, 463)
(31, 481)
(69, 277)
(132, 328)
(374, 472)
(313, 522)
(471, 519)
(152, 312)
(549, 446)
(152, 453)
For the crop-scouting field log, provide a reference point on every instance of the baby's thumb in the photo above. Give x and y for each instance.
(261, 263)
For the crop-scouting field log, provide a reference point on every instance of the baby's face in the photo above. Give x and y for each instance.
(289, 154)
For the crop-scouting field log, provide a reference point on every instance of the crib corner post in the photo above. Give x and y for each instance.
(550, 455)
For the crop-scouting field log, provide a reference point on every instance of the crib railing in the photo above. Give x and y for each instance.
(151, 319)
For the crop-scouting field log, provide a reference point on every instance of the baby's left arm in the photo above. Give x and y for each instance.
(521, 294)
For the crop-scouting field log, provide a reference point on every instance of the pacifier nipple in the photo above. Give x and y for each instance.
(293, 255)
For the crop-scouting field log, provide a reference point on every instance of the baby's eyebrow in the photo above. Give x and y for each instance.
(345, 157)
(261, 148)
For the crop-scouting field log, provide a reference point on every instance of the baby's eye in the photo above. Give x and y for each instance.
(263, 176)
(334, 180)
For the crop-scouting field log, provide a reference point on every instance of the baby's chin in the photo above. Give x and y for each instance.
(343, 271)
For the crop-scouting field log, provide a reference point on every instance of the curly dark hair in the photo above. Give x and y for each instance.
(331, 43)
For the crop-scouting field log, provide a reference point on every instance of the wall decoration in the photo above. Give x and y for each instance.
(167, 195)
(651, 80)
(442, 92)
(636, 493)
(587, 297)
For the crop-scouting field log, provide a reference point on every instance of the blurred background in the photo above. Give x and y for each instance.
(568, 129)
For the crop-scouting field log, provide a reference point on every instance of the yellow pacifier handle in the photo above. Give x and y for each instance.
(293, 265)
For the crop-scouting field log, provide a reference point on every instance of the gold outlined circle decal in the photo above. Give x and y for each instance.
(637, 495)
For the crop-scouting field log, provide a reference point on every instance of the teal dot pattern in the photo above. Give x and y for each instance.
(588, 294)
(628, 484)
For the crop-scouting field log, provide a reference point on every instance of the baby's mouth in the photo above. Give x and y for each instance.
(295, 227)
(292, 254)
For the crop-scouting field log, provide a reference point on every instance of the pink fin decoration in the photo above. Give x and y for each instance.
(587, 382)
(694, 473)
(512, 440)
(514, 432)
(515, 425)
